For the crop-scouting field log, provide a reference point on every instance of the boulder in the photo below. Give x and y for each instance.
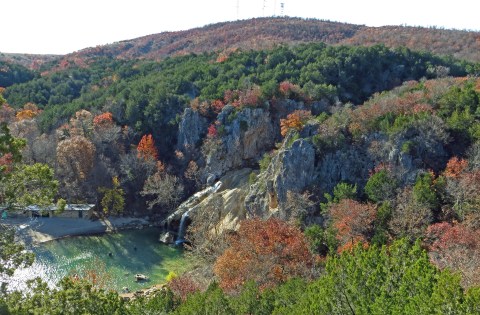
(167, 238)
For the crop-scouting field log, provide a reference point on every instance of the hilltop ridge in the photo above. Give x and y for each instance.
(265, 33)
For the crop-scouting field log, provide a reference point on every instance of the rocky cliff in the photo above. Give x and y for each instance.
(290, 170)
(243, 135)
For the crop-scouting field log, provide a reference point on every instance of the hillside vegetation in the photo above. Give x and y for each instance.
(264, 33)
(349, 174)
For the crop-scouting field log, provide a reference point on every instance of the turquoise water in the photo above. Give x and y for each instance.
(132, 252)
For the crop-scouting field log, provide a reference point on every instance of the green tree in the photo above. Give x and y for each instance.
(340, 191)
(113, 201)
(213, 301)
(20, 185)
(12, 256)
(71, 298)
(10, 145)
(31, 185)
(398, 279)
(424, 191)
(381, 186)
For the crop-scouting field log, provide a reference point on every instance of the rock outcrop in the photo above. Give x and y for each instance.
(222, 204)
(242, 137)
(350, 164)
(225, 208)
(191, 129)
(291, 169)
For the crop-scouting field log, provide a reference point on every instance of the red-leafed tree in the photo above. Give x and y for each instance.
(183, 286)
(456, 246)
(146, 148)
(290, 90)
(212, 131)
(217, 106)
(354, 222)
(268, 252)
(103, 120)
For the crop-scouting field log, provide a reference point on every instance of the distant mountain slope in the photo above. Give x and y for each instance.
(264, 33)
(256, 34)
(30, 61)
(459, 44)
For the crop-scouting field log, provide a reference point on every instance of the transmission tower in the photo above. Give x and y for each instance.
(282, 8)
(238, 9)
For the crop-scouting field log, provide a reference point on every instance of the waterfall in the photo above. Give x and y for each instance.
(190, 204)
(181, 230)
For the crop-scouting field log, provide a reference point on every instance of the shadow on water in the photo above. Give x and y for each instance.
(132, 252)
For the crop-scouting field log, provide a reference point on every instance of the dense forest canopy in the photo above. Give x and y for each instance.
(149, 95)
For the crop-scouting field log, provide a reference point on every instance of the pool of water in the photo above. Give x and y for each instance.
(112, 260)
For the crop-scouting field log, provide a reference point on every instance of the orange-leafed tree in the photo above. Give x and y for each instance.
(146, 148)
(268, 252)
(29, 111)
(103, 120)
(353, 221)
(455, 167)
(295, 121)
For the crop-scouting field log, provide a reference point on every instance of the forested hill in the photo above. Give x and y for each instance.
(30, 61)
(264, 33)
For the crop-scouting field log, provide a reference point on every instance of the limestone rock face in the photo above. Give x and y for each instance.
(291, 169)
(191, 129)
(226, 206)
(350, 165)
(243, 137)
(221, 204)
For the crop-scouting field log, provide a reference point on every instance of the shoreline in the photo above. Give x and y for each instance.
(40, 230)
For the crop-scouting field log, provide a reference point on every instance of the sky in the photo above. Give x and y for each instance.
(64, 26)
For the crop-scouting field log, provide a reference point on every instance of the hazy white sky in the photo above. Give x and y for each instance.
(63, 26)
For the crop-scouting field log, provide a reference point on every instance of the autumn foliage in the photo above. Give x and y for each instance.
(268, 252)
(212, 131)
(290, 90)
(183, 286)
(75, 157)
(456, 246)
(295, 121)
(29, 111)
(246, 97)
(455, 166)
(146, 148)
(353, 221)
(103, 120)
